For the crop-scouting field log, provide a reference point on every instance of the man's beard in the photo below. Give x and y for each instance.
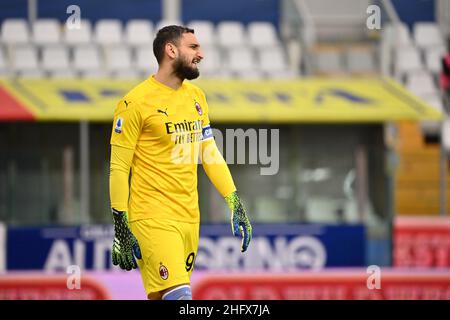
(183, 71)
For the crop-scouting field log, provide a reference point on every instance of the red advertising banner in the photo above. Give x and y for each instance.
(324, 285)
(422, 242)
(340, 284)
(35, 287)
(117, 285)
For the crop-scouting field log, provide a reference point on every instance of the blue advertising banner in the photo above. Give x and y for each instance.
(274, 247)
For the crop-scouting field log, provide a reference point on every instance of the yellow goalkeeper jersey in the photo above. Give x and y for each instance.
(165, 128)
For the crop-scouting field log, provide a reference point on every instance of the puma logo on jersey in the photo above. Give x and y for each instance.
(165, 112)
(126, 103)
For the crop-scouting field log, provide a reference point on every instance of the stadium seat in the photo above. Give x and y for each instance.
(231, 34)
(4, 69)
(328, 61)
(108, 32)
(46, 31)
(427, 34)
(407, 59)
(167, 22)
(262, 34)
(360, 61)
(272, 61)
(55, 61)
(241, 63)
(139, 32)
(146, 63)
(24, 61)
(421, 83)
(119, 62)
(15, 32)
(87, 61)
(433, 57)
(81, 36)
(212, 63)
(396, 35)
(204, 31)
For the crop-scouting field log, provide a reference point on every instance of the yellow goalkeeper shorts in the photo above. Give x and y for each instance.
(169, 249)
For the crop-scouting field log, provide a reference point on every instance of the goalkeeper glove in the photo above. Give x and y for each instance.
(240, 224)
(125, 246)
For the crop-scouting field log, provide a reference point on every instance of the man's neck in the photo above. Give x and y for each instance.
(167, 78)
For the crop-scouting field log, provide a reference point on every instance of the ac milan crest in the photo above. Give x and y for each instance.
(199, 108)
(163, 272)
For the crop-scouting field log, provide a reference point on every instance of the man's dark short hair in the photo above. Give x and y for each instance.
(166, 35)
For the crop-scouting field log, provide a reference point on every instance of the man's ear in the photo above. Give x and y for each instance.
(171, 50)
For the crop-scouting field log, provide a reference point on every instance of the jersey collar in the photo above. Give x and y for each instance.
(162, 85)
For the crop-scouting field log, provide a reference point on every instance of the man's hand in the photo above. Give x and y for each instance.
(125, 246)
(240, 224)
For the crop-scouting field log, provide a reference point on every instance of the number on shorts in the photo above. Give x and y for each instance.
(190, 261)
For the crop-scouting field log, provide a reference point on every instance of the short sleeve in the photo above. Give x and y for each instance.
(127, 124)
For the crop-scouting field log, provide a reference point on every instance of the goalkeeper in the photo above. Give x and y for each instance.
(161, 128)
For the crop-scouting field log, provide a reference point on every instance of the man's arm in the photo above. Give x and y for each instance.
(218, 172)
(126, 130)
(216, 168)
(125, 245)
(120, 165)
